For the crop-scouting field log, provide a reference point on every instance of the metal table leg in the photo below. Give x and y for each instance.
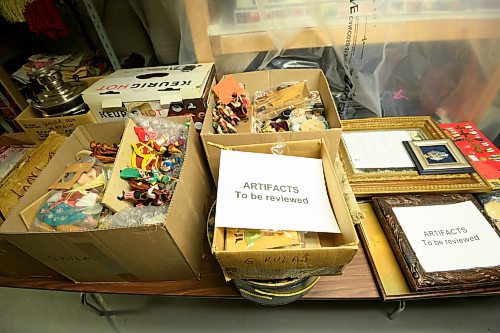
(95, 306)
(400, 308)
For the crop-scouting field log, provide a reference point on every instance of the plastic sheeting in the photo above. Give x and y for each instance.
(381, 58)
(166, 24)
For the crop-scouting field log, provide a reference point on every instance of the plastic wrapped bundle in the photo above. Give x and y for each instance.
(77, 208)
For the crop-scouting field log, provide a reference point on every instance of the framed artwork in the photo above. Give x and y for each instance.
(433, 157)
(437, 254)
(374, 164)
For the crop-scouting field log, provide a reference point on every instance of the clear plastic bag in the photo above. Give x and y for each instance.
(491, 204)
(164, 139)
(157, 160)
(77, 208)
(135, 216)
(289, 107)
(381, 58)
(161, 129)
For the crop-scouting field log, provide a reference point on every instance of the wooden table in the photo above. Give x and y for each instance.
(356, 282)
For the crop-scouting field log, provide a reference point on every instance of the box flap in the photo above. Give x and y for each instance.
(188, 211)
(146, 84)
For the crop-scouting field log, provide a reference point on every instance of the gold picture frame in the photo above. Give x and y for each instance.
(386, 181)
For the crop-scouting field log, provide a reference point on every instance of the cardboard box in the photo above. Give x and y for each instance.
(10, 139)
(22, 138)
(38, 127)
(337, 249)
(19, 180)
(15, 263)
(167, 251)
(262, 80)
(174, 90)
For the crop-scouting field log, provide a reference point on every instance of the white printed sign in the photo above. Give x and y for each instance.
(450, 237)
(263, 191)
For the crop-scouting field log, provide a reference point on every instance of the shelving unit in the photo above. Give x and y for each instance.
(390, 32)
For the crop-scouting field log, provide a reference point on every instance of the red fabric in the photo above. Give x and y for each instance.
(44, 18)
(480, 151)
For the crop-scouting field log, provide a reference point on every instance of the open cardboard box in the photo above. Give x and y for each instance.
(263, 80)
(336, 250)
(167, 251)
(38, 127)
(20, 179)
(15, 263)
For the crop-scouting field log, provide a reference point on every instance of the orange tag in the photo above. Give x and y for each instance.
(226, 88)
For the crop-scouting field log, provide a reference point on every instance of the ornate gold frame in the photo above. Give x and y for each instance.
(405, 181)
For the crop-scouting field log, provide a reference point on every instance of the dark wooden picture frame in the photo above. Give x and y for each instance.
(417, 278)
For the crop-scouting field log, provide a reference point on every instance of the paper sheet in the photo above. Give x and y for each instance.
(378, 149)
(450, 237)
(263, 191)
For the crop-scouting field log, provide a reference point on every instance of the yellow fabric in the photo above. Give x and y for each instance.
(12, 10)
(147, 157)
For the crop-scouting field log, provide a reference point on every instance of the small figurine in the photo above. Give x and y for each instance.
(227, 113)
(152, 176)
(104, 152)
(139, 198)
(168, 165)
(220, 125)
(238, 107)
(244, 105)
(174, 147)
(150, 197)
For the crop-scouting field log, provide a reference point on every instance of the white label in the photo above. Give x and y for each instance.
(450, 237)
(264, 191)
(378, 149)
